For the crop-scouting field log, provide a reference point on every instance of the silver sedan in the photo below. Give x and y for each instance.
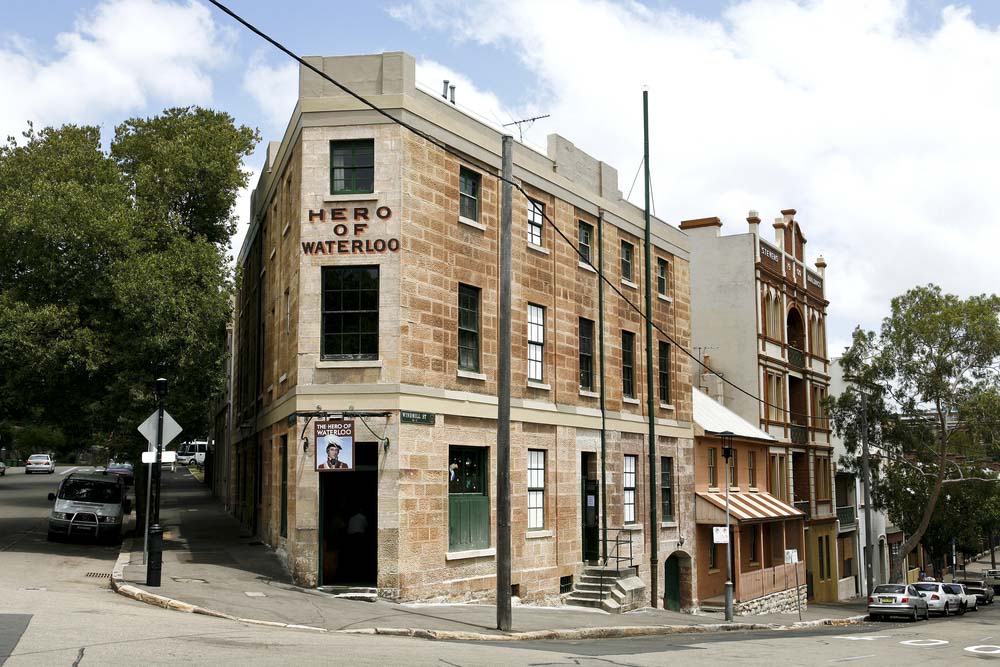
(896, 600)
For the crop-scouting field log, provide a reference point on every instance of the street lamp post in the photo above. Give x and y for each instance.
(727, 453)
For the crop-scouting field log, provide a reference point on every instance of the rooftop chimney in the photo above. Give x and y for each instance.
(754, 221)
(821, 266)
(444, 92)
(779, 233)
(452, 90)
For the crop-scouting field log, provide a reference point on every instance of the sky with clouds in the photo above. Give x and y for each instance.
(875, 119)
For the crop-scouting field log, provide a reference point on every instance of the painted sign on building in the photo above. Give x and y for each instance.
(351, 227)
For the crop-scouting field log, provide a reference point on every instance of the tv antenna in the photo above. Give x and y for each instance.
(520, 124)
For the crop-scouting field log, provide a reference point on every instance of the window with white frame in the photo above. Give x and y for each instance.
(662, 276)
(628, 254)
(536, 489)
(536, 342)
(585, 238)
(628, 479)
(536, 211)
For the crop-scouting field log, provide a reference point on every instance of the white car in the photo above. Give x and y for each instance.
(940, 598)
(40, 463)
(969, 600)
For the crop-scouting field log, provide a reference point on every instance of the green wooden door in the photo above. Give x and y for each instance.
(672, 584)
(468, 502)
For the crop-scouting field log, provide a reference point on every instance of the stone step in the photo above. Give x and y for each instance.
(590, 594)
(594, 585)
(612, 606)
(584, 602)
(364, 593)
(609, 571)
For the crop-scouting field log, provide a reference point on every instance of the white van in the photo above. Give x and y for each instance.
(192, 452)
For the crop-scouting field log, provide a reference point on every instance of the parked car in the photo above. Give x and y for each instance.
(982, 591)
(897, 600)
(39, 463)
(969, 600)
(192, 452)
(940, 600)
(3, 468)
(89, 505)
(123, 470)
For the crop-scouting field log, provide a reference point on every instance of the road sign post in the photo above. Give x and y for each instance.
(792, 558)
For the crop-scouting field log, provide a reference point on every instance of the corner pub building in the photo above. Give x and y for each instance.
(369, 306)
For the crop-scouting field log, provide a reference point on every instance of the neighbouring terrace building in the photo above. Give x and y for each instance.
(364, 402)
(759, 312)
(762, 526)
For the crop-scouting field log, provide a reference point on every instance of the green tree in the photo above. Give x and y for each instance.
(931, 378)
(113, 272)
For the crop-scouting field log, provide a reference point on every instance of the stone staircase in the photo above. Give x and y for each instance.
(623, 589)
(363, 593)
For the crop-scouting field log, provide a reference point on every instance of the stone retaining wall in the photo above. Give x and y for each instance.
(780, 602)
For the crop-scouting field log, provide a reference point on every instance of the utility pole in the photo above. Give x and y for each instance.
(866, 484)
(654, 528)
(604, 439)
(503, 389)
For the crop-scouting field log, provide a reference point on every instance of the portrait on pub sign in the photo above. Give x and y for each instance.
(334, 445)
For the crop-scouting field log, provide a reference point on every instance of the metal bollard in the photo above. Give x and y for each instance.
(154, 566)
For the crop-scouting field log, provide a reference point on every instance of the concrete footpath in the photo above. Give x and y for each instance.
(210, 568)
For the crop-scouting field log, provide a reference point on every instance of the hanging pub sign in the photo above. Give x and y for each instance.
(350, 227)
(335, 445)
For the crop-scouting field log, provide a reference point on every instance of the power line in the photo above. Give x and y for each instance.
(520, 189)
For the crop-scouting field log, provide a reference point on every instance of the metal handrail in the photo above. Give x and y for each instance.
(614, 553)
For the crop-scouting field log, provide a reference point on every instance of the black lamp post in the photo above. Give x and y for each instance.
(727, 453)
(154, 566)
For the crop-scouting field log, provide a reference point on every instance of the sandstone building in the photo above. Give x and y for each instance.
(366, 322)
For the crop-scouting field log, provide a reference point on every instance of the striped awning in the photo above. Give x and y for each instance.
(747, 507)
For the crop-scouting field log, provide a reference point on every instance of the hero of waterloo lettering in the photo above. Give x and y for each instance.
(350, 223)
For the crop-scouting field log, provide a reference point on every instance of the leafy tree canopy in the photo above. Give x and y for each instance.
(113, 272)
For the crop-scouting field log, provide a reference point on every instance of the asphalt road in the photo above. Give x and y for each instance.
(53, 613)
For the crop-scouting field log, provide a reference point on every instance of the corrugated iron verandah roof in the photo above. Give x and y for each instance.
(749, 507)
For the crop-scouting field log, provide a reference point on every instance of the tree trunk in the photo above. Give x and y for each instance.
(993, 552)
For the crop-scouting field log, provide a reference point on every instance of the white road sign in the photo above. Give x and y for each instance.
(165, 457)
(171, 429)
(791, 556)
(720, 535)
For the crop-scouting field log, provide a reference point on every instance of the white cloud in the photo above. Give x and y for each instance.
(119, 57)
(274, 89)
(883, 138)
(470, 98)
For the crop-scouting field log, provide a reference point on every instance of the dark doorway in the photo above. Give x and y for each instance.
(672, 584)
(590, 499)
(349, 521)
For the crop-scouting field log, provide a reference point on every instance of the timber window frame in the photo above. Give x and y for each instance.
(628, 364)
(628, 261)
(350, 313)
(468, 327)
(585, 241)
(536, 489)
(536, 343)
(667, 488)
(468, 498)
(628, 488)
(469, 193)
(586, 354)
(536, 220)
(352, 166)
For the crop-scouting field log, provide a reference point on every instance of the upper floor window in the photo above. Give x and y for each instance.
(536, 342)
(713, 475)
(734, 470)
(352, 166)
(752, 469)
(628, 252)
(772, 315)
(536, 215)
(775, 397)
(662, 274)
(585, 236)
(664, 372)
(468, 328)
(817, 336)
(350, 312)
(468, 194)
(628, 364)
(586, 354)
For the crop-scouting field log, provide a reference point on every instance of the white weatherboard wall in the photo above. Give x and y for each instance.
(879, 518)
(724, 311)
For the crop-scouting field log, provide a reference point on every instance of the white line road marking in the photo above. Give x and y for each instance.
(984, 649)
(863, 639)
(924, 642)
(856, 657)
(66, 472)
